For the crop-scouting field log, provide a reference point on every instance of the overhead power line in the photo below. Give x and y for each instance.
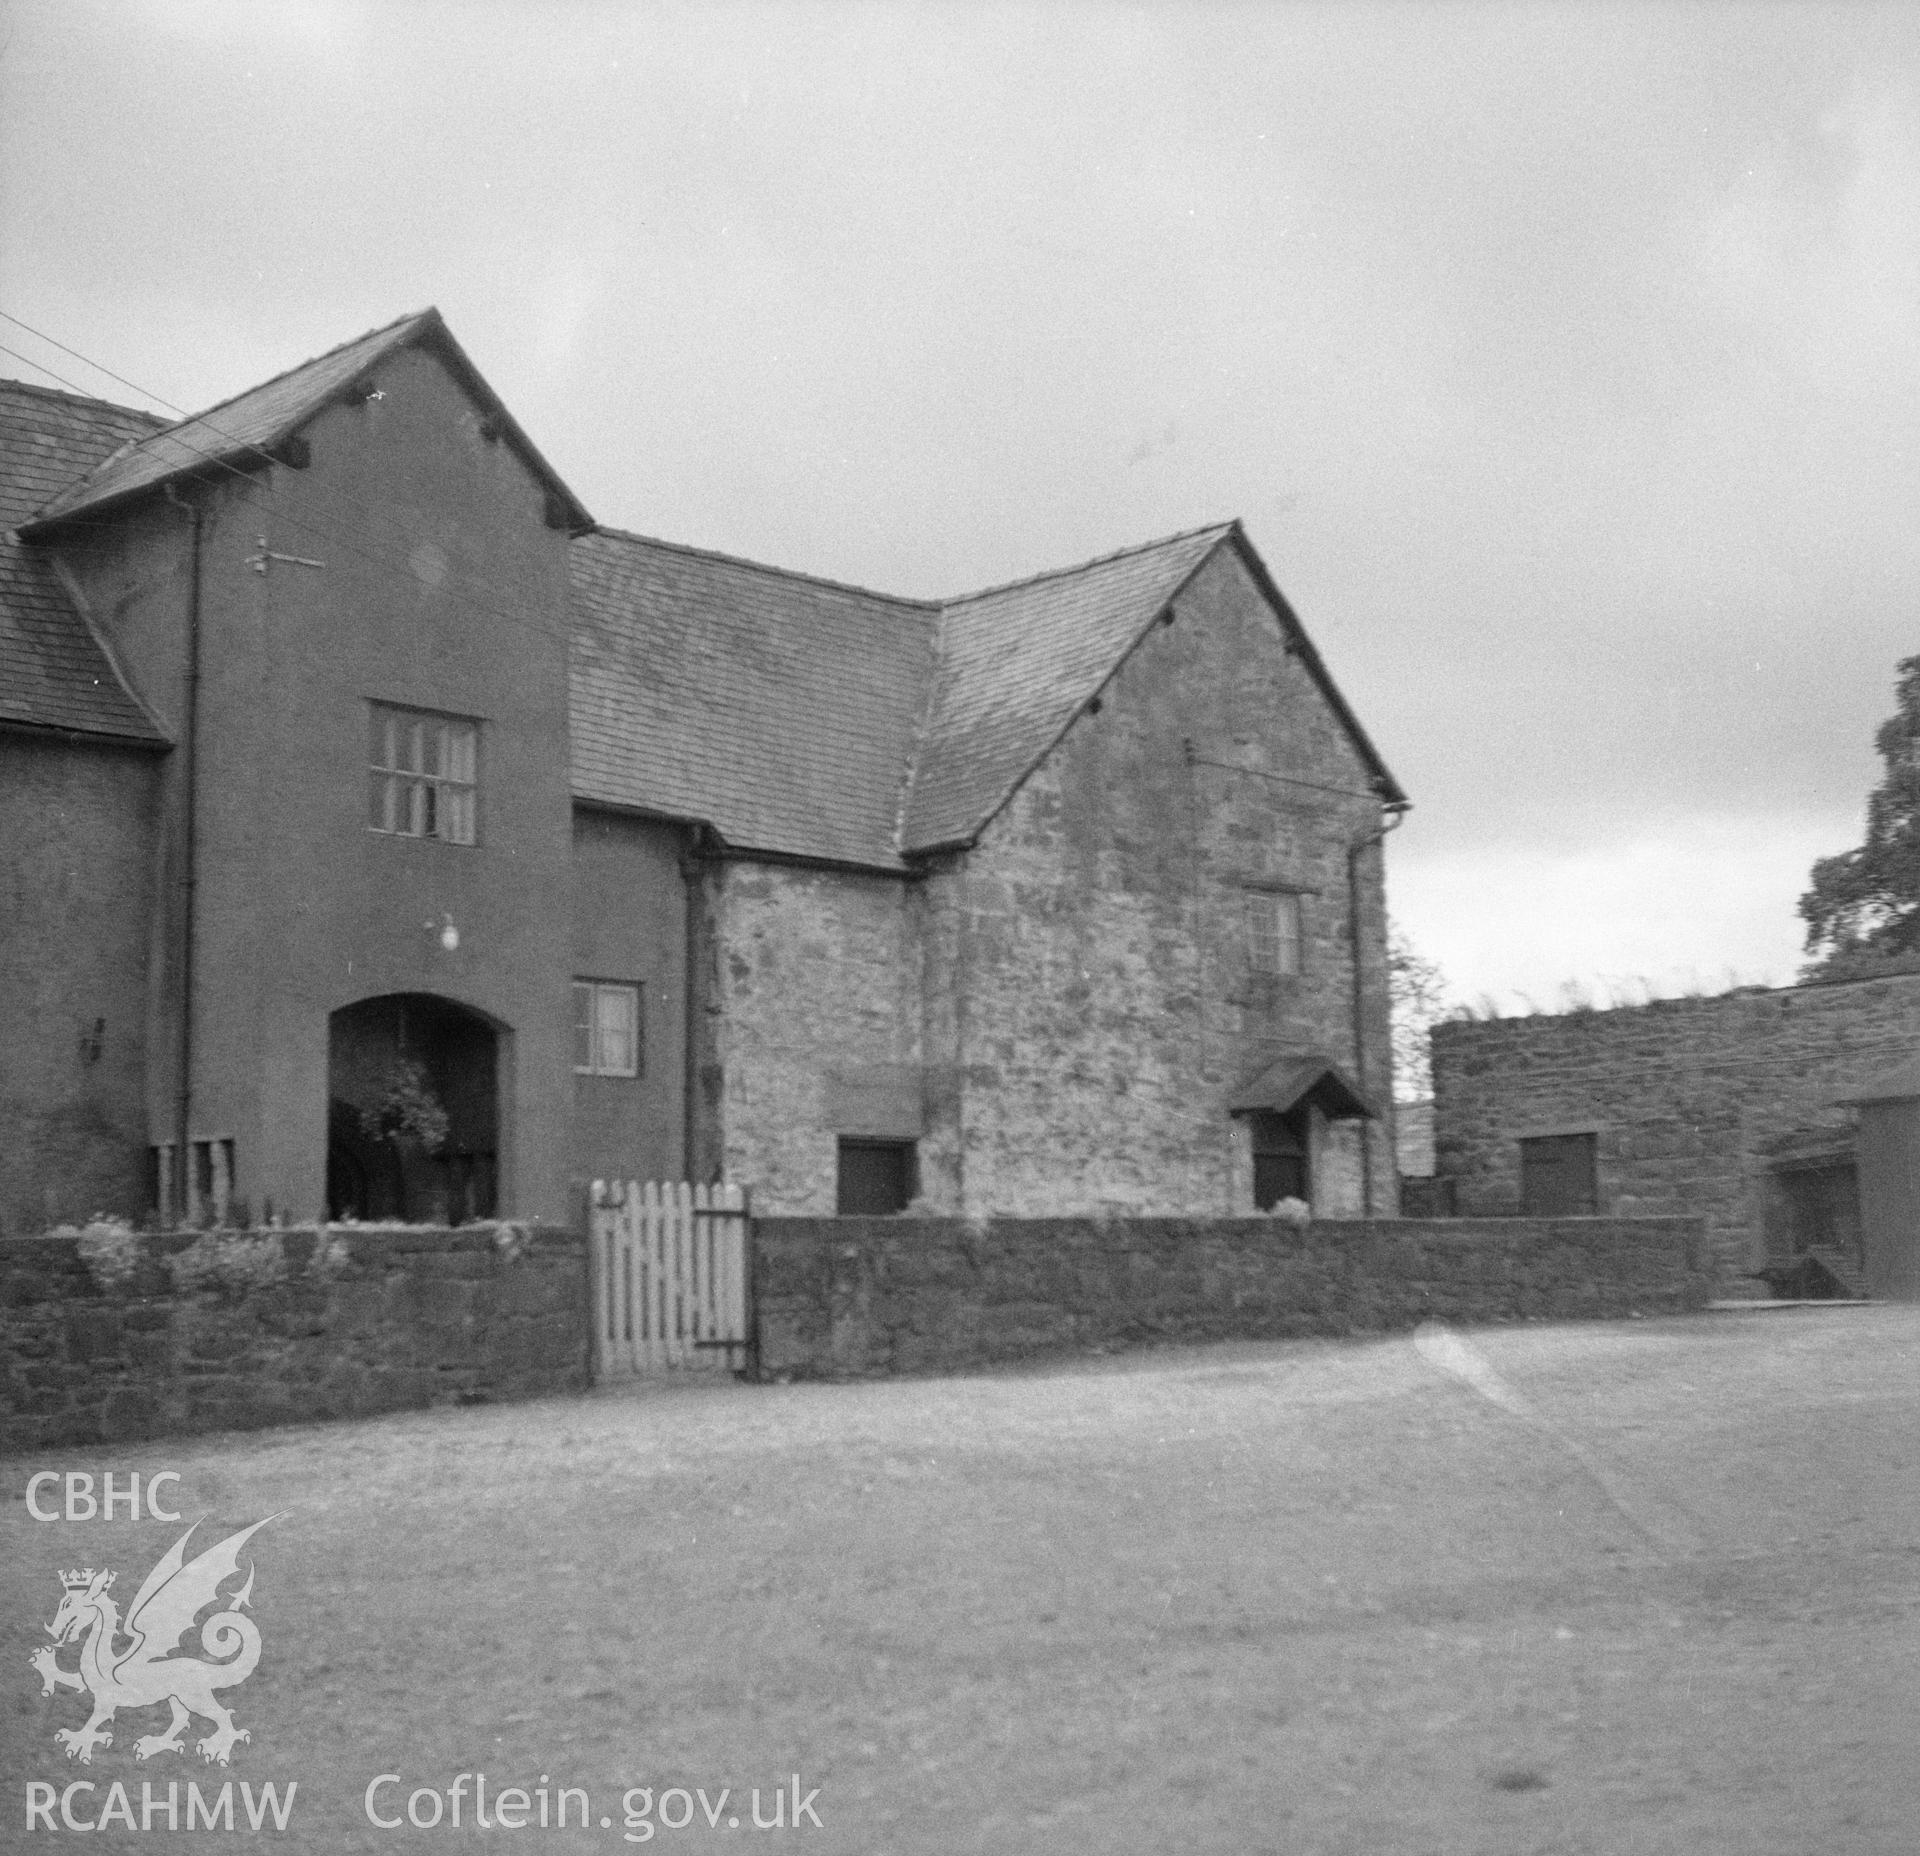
(99, 367)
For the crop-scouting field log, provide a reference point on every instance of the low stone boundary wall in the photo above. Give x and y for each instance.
(843, 1297)
(106, 1335)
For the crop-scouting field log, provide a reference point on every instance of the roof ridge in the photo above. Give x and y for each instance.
(1099, 560)
(160, 420)
(762, 567)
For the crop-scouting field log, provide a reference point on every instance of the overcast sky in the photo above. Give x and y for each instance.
(1563, 362)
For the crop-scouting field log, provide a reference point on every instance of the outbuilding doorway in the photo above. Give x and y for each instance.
(1281, 1151)
(413, 1111)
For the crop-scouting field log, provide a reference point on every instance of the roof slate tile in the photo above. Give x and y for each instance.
(804, 718)
(817, 720)
(54, 672)
(777, 708)
(1017, 663)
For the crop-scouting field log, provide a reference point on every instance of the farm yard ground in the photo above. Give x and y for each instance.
(1649, 1587)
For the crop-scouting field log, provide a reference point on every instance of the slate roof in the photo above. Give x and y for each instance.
(238, 432)
(808, 719)
(777, 708)
(54, 672)
(1017, 663)
(796, 716)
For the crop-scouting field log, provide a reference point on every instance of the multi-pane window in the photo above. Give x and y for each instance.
(423, 774)
(606, 1028)
(1273, 931)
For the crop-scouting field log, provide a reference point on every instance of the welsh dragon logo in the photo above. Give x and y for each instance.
(143, 1673)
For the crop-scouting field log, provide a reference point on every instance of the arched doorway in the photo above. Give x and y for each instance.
(413, 1111)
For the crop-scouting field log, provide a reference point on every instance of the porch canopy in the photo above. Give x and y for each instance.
(1289, 1081)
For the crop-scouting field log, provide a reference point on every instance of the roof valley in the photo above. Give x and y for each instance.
(56, 675)
(922, 728)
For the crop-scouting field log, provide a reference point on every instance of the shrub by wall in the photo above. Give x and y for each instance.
(843, 1297)
(107, 1335)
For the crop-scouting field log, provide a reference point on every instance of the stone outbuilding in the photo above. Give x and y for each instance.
(384, 837)
(1766, 1111)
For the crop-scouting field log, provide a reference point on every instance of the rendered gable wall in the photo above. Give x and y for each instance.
(443, 590)
(439, 587)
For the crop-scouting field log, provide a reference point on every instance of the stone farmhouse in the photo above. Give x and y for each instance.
(382, 837)
(1789, 1118)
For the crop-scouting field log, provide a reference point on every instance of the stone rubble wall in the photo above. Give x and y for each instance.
(852, 1297)
(107, 1335)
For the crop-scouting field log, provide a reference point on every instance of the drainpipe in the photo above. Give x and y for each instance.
(189, 777)
(1394, 815)
(691, 871)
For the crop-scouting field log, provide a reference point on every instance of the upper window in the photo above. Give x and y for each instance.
(423, 774)
(606, 1028)
(1273, 931)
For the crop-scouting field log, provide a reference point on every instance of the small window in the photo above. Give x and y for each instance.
(1273, 932)
(1558, 1177)
(876, 1177)
(423, 775)
(606, 1028)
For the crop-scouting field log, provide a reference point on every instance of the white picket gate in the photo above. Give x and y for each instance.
(669, 1277)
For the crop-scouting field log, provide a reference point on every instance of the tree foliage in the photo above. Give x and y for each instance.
(408, 1109)
(1418, 990)
(1862, 908)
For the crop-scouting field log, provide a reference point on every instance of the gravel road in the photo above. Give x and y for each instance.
(1650, 1587)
